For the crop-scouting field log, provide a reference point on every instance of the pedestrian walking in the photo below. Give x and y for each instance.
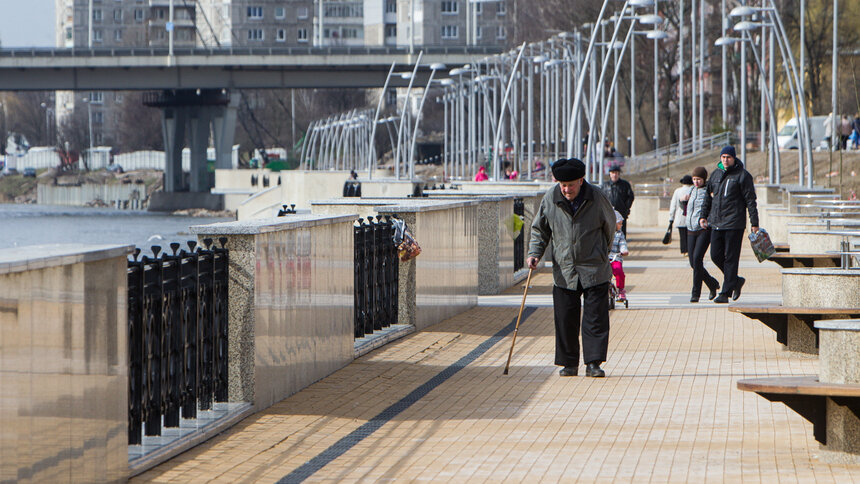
(698, 238)
(579, 220)
(481, 175)
(732, 192)
(620, 194)
(678, 209)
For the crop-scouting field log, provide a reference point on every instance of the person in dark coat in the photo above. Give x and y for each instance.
(620, 194)
(731, 194)
(580, 221)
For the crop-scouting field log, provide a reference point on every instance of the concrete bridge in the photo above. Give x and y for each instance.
(233, 68)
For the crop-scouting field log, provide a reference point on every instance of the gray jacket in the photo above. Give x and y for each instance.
(694, 208)
(580, 242)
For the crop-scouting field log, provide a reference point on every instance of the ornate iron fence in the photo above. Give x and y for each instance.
(376, 275)
(519, 242)
(177, 335)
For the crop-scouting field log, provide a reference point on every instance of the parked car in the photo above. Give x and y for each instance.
(31, 172)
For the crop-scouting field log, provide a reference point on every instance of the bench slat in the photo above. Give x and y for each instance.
(798, 385)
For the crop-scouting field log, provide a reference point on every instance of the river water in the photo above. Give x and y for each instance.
(22, 225)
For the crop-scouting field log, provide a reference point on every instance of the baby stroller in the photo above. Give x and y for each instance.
(614, 295)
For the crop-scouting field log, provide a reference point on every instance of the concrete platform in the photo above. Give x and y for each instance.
(434, 406)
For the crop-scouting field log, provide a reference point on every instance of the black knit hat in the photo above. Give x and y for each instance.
(565, 170)
(686, 180)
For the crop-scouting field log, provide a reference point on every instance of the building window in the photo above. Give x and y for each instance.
(97, 15)
(138, 15)
(349, 33)
(97, 35)
(479, 7)
(97, 97)
(255, 13)
(501, 8)
(99, 138)
(281, 36)
(280, 12)
(302, 35)
(118, 98)
(69, 33)
(391, 6)
(117, 15)
(255, 35)
(479, 31)
(98, 117)
(450, 32)
(391, 30)
(449, 7)
(117, 35)
(302, 12)
(345, 10)
(500, 32)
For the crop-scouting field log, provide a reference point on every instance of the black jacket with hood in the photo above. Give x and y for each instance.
(731, 192)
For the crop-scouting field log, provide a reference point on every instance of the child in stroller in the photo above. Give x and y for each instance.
(616, 253)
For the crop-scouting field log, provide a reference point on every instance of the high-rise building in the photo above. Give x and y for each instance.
(254, 23)
(83, 24)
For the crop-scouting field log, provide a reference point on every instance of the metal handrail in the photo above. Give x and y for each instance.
(675, 153)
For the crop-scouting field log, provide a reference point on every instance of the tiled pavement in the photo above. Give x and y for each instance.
(434, 406)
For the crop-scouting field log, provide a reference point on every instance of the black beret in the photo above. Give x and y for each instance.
(568, 170)
(687, 180)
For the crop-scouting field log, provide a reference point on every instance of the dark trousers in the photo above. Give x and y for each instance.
(726, 253)
(595, 324)
(682, 237)
(697, 245)
(624, 227)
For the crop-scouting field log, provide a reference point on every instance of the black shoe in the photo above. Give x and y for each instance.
(593, 370)
(721, 299)
(712, 292)
(737, 292)
(569, 371)
(694, 299)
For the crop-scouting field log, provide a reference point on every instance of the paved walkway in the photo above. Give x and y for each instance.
(434, 406)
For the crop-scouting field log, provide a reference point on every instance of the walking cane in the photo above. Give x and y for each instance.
(523, 305)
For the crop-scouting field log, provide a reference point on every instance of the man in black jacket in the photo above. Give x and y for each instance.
(731, 193)
(620, 194)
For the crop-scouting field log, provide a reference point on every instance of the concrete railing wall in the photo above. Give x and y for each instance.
(443, 281)
(291, 303)
(63, 364)
(297, 187)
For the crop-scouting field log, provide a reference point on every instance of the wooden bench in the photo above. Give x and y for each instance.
(780, 247)
(806, 396)
(788, 260)
(794, 326)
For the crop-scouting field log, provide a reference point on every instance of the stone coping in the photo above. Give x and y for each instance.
(266, 225)
(399, 204)
(35, 257)
(483, 195)
(800, 189)
(839, 324)
(822, 271)
(847, 233)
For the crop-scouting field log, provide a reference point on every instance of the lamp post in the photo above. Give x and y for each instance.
(798, 96)
(774, 172)
(411, 78)
(48, 112)
(371, 145)
(433, 68)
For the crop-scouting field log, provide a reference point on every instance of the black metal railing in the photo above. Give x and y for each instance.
(519, 242)
(177, 335)
(376, 275)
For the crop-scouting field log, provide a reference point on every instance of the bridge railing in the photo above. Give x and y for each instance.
(235, 51)
(674, 153)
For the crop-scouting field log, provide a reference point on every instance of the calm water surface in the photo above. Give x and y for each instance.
(22, 225)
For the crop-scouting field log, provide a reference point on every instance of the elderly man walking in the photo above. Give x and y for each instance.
(580, 221)
(731, 194)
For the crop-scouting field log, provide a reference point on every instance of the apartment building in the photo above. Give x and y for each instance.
(255, 23)
(119, 24)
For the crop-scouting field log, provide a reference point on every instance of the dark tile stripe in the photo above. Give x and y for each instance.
(343, 445)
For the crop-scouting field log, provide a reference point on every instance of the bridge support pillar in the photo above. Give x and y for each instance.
(195, 113)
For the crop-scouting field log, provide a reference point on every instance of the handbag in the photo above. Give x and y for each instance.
(668, 237)
(761, 244)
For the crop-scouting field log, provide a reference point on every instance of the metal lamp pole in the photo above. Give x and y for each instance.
(433, 69)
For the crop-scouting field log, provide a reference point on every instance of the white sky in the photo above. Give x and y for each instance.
(27, 23)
